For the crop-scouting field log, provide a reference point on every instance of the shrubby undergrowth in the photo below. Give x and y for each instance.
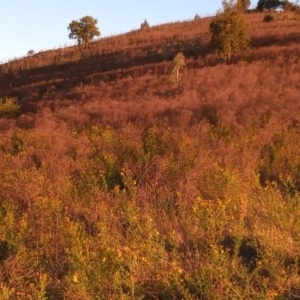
(136, 189)
(196, 199)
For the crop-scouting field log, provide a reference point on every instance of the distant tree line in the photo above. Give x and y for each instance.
(262, 5)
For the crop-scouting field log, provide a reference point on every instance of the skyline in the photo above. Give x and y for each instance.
(39, 26)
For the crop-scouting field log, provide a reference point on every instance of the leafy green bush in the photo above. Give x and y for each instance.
(269, 18)
(9, 108)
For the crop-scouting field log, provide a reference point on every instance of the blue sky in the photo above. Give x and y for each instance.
(42, 24)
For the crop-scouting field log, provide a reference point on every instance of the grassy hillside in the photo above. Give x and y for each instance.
(116, 185)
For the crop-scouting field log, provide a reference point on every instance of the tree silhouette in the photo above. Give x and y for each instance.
(197, 17)
(84, 30)
(270, 4)
(145, 24)
(30, 52)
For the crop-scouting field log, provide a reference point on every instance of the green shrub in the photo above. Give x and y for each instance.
(112, 175)
(9, 108)
(269, 18)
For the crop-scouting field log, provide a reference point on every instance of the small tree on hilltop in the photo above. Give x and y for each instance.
(197, 17)
(30, 52)
(228, 34)
(145, 24)
(84, 30)
(174, 70)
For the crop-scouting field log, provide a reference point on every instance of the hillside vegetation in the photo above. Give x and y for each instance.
(117, 185)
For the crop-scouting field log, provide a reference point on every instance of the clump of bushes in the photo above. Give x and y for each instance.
(9, 108)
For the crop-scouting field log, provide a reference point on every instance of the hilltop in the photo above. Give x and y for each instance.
(117, 185)
(134, 54)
